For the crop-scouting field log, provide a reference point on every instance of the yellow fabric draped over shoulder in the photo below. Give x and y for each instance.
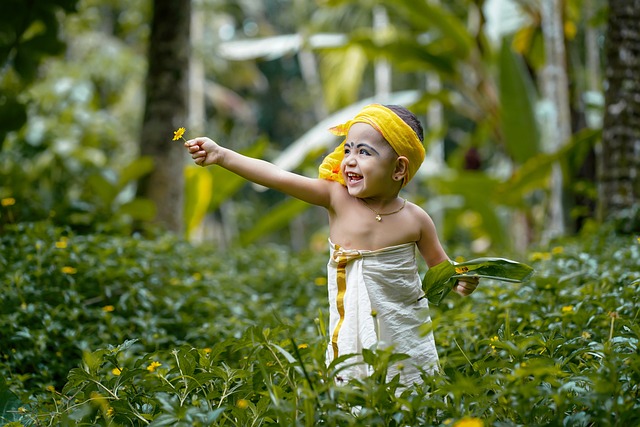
(395, 131)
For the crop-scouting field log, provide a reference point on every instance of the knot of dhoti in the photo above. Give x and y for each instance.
(341, 257)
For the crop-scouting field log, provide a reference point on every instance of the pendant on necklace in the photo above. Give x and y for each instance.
(378, 218)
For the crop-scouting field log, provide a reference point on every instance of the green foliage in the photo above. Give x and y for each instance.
(73, 159)
(29, 33)
(106, 330)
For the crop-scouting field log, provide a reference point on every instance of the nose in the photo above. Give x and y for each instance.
(349, 159)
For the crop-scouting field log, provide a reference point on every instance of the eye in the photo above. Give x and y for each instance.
(346, 151)
(363, 152)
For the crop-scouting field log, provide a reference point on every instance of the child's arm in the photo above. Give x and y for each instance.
(205, 152)
(433, 254)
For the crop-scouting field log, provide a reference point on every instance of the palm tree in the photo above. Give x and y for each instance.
(619, 159)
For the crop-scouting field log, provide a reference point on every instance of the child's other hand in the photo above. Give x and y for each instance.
(466, 286)
(204, 151)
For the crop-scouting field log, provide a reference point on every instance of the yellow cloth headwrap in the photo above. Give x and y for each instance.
(395, 131)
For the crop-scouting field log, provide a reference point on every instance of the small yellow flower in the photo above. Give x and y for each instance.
(153, 365)
(207, 350)
(110, 412)
(567, 309)
(22, 409)
(197, 276)
(69, 270)
(321, 281)
(108, 308)
(51, 388)
(586, 335)
(301, 346)
(177, 134)
(61, 244)
(461, 270)
(540, 256)
(242, 404)
(374, 313)
(8, 201)
(557, 250)
(116, 371)
(469, 422)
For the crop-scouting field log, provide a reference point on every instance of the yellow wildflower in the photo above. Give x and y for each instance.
(540, 256)
(461, 270)
(207, 350)
(69, 270)
(242, 404)
(51, 388)
(557, 250)
(62, 243)
(178, 134)
(567, 309)
(469, 422)
(22, 410)
(110, 412)
(321, 281)
(116, 371)
(153, 365)
(108, 308)
(586, 335)
(8, 201)
(301, 346)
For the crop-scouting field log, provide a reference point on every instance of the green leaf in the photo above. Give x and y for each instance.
(142, 209)
(9, 403)
(517, 99)
(441, 278)
(277, 218)
(134, 171)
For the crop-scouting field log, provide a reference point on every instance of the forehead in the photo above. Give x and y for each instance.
(363, 133)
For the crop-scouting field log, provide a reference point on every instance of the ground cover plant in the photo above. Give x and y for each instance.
(110, 330)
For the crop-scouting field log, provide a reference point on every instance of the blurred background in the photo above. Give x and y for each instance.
(530, 110)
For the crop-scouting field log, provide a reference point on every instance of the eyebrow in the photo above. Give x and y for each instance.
(351, 144)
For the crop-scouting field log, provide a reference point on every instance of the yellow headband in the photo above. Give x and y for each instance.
(395, 131)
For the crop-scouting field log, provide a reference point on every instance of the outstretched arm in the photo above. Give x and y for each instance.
(206, 152)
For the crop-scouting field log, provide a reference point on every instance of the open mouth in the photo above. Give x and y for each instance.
(353, 178)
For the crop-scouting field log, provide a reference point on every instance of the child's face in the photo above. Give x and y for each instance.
(369, 163)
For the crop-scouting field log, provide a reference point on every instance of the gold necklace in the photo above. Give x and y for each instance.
(380, 215)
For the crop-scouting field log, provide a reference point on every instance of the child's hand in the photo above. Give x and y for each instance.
(204, 151)
(467, 285)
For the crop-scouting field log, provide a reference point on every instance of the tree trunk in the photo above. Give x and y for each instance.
(619, 159)
(165, 109)
(555, 89)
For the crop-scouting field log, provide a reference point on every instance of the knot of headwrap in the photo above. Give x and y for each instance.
(395, 131)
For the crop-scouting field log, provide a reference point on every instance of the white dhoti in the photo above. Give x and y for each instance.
(375, 300)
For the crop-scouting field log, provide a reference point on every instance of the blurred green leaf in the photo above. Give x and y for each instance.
(275, 219)
(517, 100)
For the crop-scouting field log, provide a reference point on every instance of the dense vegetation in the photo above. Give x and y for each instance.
(110, 330)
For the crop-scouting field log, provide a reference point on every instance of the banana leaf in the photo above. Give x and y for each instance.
(441, 278)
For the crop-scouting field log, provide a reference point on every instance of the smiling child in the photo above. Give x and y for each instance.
(375, 292)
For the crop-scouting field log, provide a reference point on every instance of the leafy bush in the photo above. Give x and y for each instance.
(105, 330)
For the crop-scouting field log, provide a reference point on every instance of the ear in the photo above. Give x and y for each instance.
(402, 168)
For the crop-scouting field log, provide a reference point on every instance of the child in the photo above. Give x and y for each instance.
(375, 293)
